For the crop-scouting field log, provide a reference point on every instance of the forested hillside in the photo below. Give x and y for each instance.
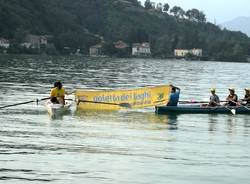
(78, 24)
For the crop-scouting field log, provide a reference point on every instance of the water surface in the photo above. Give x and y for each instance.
(120, 147)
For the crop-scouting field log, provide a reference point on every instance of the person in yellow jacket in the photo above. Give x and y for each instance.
(57, 94)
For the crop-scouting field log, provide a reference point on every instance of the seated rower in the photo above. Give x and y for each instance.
(232, 98)
(57, 94)
(214, 99)
(246, 98)
(174, 96)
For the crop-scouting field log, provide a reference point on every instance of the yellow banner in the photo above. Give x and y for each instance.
(118, 99)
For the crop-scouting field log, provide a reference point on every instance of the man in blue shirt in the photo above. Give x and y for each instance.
(174, 96)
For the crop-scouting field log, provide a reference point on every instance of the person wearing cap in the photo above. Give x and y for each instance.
(214, 100)
(232, 98)
(174, 96)
(57, 93)
(246, 97)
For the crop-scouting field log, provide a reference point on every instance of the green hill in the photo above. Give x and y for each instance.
(78, 24)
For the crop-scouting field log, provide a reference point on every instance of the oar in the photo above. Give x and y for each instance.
(245, 107)
(233, 111)
(71, 93)
(239, 104)
(127, 105)
(22, 103)
(185, 101)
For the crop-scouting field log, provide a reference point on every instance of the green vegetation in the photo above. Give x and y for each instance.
(79, 24)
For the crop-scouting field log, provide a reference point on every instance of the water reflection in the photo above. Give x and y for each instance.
(231, 124)
(246, 122)
(139, 139)
(212, 122)
(172, 120)
(146, 118)
(59, 116)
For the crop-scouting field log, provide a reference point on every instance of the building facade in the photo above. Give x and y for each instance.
(184, 52)
(141, 49)
(36, 41)
(120, 45)
(96, 50)
(4, 43)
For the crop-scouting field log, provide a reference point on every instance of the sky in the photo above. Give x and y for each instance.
(216, 11)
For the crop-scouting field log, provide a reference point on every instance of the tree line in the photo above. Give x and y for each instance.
(192, 15)
(80, 24)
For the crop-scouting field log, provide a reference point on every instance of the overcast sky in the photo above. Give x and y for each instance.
(219, 10)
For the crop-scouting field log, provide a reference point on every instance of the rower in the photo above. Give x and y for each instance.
(246, 98)
(214, 99)
(57, 93)
(174, 96)
(232, 98)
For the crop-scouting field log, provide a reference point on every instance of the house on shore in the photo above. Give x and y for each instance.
(120, 45)
(185, 52)
(96, 50)
(122, 49)
(4, 43)
(36, 41)
(141, 49)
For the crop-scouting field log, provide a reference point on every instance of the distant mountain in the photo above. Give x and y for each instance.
(238, 24)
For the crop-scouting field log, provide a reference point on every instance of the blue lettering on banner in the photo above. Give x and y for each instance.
(142, 97)
(123, 98)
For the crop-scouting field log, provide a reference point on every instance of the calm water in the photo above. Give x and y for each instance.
(120, 147)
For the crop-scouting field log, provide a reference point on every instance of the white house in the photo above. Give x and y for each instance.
(141, 49)
(4, 43)
(196, 52)
(184, 52)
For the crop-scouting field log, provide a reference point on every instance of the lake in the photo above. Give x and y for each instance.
(128, 146)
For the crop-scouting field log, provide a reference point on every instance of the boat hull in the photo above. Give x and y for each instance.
(192, 109)
(57, 109)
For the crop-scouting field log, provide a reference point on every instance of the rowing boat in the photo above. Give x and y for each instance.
(199, 109)
(57, 109)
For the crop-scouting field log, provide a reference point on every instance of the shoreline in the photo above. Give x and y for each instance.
(112, 57)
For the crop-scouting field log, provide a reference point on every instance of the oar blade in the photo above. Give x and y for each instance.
(233, 111)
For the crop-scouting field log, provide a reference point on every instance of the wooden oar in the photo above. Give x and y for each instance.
(22, 103)
(127, 105)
